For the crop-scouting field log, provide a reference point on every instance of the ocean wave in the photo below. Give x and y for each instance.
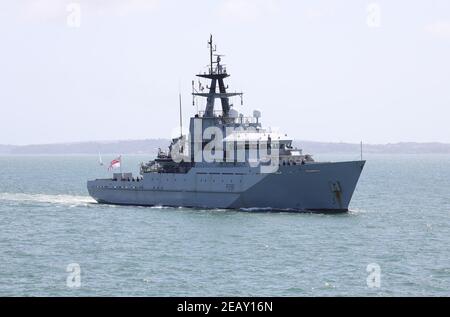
(273, 210)
(256, 209)
(356, 211)
(71, 200)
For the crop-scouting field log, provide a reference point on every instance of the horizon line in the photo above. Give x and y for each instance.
(168, 139)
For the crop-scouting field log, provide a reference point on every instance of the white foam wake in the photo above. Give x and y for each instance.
(50, 199)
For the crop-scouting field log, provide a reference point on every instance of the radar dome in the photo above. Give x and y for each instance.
(233, 113)
(256, 113)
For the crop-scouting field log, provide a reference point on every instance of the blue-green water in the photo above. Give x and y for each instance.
(399, 220)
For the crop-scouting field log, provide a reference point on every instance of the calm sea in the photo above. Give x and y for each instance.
(394, 242)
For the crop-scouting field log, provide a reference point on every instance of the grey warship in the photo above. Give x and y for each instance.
(230, 161)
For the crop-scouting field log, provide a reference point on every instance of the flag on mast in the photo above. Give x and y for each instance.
(115, 163)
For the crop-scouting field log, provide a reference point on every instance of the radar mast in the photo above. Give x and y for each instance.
(217, 73)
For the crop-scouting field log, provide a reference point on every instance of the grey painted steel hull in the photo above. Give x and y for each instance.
(323, 187)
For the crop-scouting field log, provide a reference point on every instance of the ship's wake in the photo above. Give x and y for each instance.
(71, 200)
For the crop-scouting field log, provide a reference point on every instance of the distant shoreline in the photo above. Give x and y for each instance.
(150, 147)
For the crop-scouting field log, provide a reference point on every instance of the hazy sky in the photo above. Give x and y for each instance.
(320, 70)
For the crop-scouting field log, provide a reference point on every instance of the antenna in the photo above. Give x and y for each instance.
(361, 150)
(193, 96)
(210, 43)
(181, 119)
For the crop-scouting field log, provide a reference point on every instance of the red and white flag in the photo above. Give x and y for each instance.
(115, 163)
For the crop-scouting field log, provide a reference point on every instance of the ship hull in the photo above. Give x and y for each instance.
(317, 187)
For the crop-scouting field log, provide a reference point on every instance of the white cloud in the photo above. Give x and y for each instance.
(439, 29)
(247, 10)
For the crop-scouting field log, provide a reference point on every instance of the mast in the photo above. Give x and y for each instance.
(210, 43)
(181, 119)
(361, 149)
(217, 74)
